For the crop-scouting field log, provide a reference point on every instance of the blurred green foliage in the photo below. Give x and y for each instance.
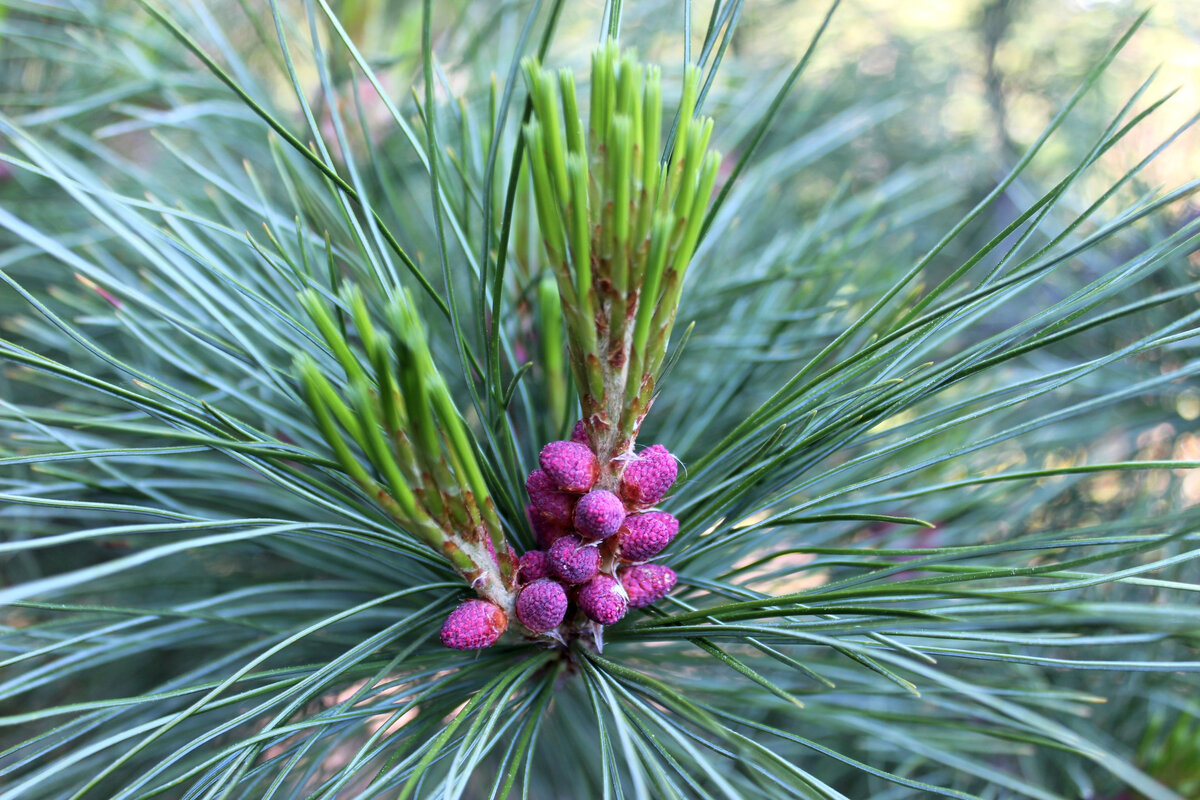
(907, 117)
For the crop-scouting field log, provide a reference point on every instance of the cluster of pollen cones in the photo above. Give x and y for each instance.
(593, 545)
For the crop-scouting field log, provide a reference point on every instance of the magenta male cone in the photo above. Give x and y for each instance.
(571, 466)
(545, 532)
(573, 562)
(579, 434)
(647, 583)
(599, 514)
(542, 605)
(649, 476)
(533, 565)
(545, 499)
(644, 536)
(473, 625)
(602, 600)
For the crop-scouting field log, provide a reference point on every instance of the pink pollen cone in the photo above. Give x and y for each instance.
(573, 562)
(546, 532)
(599, 514)
(648, 478)
(474, 625)
(546, 500)
(571, 466)
(542, 605)
(579, 434)
(647, 583)
(602, 600)
(533, 565)
(646, 535)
